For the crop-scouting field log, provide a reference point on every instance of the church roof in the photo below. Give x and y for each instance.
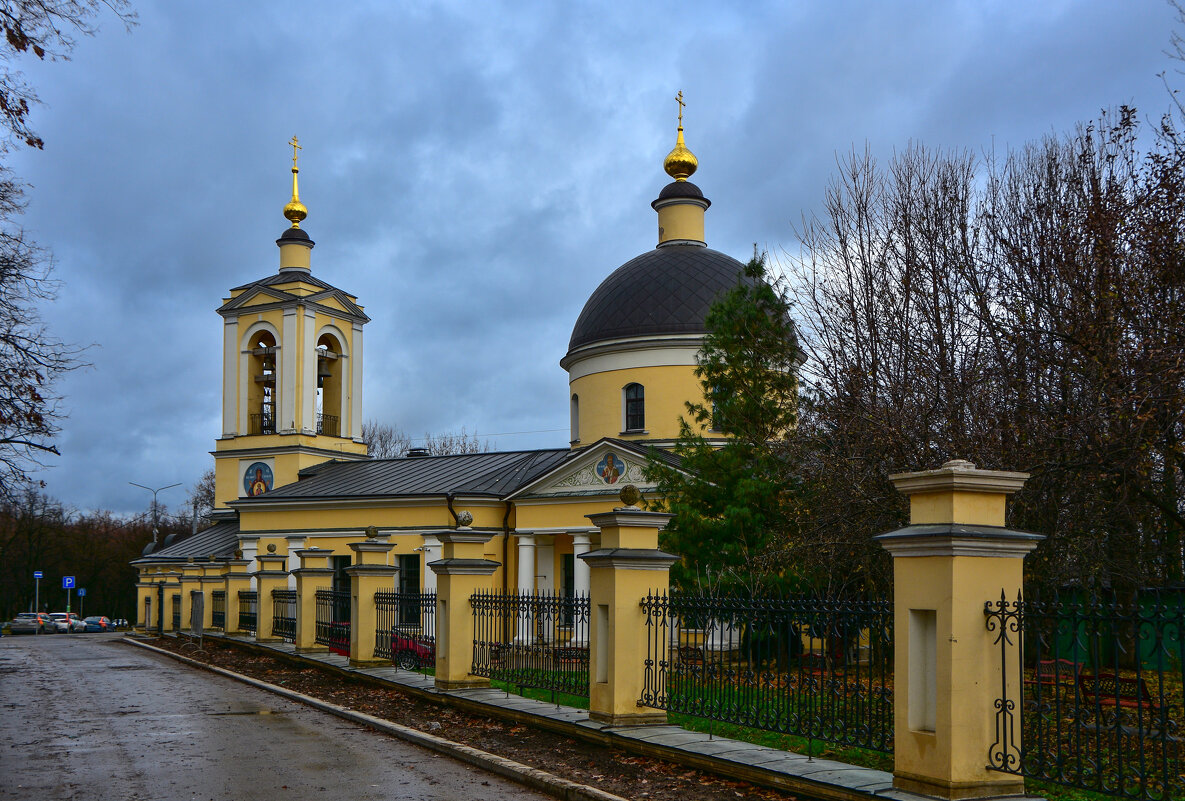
(220, 539)
(667, 290)
(287, 277)
(494, 474)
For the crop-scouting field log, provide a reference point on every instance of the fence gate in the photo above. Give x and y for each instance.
(1099, 683)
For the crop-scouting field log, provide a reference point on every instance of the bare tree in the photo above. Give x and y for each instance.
(30, 358)
(385, 441)
(1023, 312)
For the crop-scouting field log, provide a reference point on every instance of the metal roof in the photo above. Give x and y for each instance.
(220, 539)
(493, 474)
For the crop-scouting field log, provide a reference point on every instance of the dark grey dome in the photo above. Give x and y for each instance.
(294, 235)
(681, 189)
(667, 290)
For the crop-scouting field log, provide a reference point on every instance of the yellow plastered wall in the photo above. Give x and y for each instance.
(979, 508)
(668, 388)
(681, 221)
(965, 663)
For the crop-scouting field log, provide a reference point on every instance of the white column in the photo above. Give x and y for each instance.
(355, 405)
(526, 583)
(581, 543)
(545, 562)
(286, 413)
(230, 372)
(431, 554)
(307, 422)
(294, 544)
(250, 549)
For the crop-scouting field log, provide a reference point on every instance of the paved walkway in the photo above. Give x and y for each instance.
(818, 778)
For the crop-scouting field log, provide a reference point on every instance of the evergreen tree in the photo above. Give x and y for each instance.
(733, 494)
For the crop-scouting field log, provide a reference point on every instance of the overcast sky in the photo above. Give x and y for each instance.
(473, 170)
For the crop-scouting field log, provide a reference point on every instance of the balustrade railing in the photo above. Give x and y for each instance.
(532, 640)
(248, 610)
(218, 609)
(333, 620)
(405, 629)
(820, 669)
(284, 614)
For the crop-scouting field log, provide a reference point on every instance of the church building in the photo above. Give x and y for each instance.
(292, 468)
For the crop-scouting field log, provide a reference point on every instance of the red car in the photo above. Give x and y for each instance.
(412, 653)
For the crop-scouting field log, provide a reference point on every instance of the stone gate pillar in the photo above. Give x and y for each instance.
(313, 574)
(462, 571)
(270, 576)
(236, 578)
(369, 574)
(954, 556)
(625, 569)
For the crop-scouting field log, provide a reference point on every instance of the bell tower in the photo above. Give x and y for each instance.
(292, 370)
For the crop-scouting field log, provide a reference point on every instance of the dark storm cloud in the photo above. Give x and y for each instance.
(473, 171)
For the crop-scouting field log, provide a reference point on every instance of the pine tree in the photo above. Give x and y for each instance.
(734, 494)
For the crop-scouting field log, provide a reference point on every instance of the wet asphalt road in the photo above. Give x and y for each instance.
(83, 716)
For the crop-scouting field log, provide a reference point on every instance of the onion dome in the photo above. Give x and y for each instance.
(295, 211)
(680, 163)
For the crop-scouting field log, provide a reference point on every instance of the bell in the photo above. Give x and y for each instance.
(323, 372)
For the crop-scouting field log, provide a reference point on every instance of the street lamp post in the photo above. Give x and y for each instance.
(154, 507)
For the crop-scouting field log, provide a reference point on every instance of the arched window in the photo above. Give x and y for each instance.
(575, 418)
(635, 407)
(329, 386)
(261, 391)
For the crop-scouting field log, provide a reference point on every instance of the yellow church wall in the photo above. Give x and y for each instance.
(681, 221)
(602, 407)
(553, 513)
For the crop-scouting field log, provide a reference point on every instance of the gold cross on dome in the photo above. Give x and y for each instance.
(295, 147)
(679, 100)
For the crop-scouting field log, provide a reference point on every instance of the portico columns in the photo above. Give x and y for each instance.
(526, 562)
(581, 544)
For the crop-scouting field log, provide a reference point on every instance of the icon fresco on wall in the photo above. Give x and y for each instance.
(258, 479)
(609, 468)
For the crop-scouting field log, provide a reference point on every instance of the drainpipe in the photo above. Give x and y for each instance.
(448, 498)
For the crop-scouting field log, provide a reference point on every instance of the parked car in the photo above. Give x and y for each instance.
(411, 652)
(67, 622)
(98, 623)
(32, 623)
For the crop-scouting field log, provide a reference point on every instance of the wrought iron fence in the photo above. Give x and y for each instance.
(1100, 691)
(218, 609)
(248, 610)
(284, 614)
(176, 611)
(333, 620)
(820, 669)
(532, 640)
(405, 629)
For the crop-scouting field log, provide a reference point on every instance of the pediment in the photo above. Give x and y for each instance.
(602, 469)
(256, 296)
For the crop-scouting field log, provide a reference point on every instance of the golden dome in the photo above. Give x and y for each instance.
(295, 211)
(680, 163)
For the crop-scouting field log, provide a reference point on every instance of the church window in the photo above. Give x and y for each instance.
(635, 407)
(575, 418)
(261, 392)
(329, 386)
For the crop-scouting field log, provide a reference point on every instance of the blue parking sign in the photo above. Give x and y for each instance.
(67, 582)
